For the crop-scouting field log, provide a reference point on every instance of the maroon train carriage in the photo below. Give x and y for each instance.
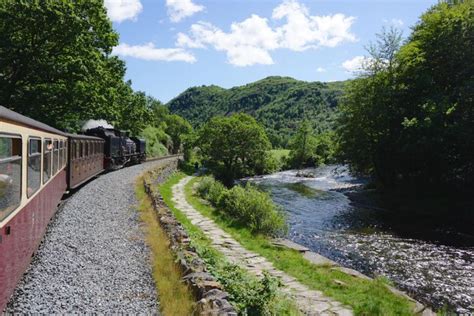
(86, 159)
(32, 182)
(34, 174)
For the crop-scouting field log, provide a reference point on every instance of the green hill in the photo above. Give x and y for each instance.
(279, 103)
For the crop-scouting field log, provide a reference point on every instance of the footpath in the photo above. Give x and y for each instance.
(309, 301)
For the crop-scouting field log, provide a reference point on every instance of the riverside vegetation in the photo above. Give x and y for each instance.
(364, 296)
(249, 295)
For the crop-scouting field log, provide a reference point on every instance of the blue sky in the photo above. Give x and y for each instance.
(171, 45)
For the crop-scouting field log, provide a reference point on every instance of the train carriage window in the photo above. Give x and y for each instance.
(60, 158)
(10, 174)
(47, 153)
(78, 149)
(81, 153)
(34, 166)
(55, 157)
(73, 150)
(65, 153)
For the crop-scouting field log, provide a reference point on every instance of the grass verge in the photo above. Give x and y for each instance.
(250, 295)
(280, 154)
(174, 296)
(364, 296)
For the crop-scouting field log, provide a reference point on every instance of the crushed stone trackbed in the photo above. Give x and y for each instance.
(93, 258)
(309, 301)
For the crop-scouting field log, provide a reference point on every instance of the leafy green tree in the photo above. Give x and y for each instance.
(176, 128)
(302, 146)
(411, 125)
(325, 150)
(55, 62)
(134, 114)
(156, 140)
(233, 146)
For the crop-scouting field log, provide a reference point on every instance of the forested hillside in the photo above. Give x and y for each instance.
(279, 103)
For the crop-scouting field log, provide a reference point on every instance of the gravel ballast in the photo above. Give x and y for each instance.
(93, 257)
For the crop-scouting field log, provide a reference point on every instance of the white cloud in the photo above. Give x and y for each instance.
(355, 64)
(303, 31)
(121, 10)
(321, 69)
(394, 22)
(250, 41)
(247, 44)
(397, 22)
(150, 52)
(180, 9)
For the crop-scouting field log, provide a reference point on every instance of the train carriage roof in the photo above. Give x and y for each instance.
(82, 136)
(9, 115)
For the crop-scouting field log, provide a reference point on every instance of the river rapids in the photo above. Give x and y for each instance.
(431, 259)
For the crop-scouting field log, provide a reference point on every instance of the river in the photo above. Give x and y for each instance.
(429, 257)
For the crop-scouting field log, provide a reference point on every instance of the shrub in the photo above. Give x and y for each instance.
(211, 190)
(247, 205)
(216, 190)
(204, 185)
(253, 208)
(251, 295)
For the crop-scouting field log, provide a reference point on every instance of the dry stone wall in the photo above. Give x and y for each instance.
(211, 299)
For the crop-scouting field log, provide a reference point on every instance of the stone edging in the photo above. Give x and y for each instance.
(211, 299)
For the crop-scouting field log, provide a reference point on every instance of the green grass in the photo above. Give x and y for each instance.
(364, 296)
(240, 284)
(175, 296)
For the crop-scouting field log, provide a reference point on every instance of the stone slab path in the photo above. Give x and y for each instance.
(309, 301)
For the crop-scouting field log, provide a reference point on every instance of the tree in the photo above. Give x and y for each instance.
(383, 51)
(55, 62)
(176, 128)
(302, 146)
(411, 125)
(233, 146)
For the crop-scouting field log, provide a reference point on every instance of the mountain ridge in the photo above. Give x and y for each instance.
(279, 103)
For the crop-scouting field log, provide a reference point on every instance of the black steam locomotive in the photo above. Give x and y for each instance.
(119, 148)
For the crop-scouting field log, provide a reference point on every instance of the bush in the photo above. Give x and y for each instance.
(247, 205)
(251, 295)
(204, 185)
(216, 190)
(211, 190)
(253, 208)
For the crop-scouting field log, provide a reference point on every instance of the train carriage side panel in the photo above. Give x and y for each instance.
(86, 159)
(32, 182)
